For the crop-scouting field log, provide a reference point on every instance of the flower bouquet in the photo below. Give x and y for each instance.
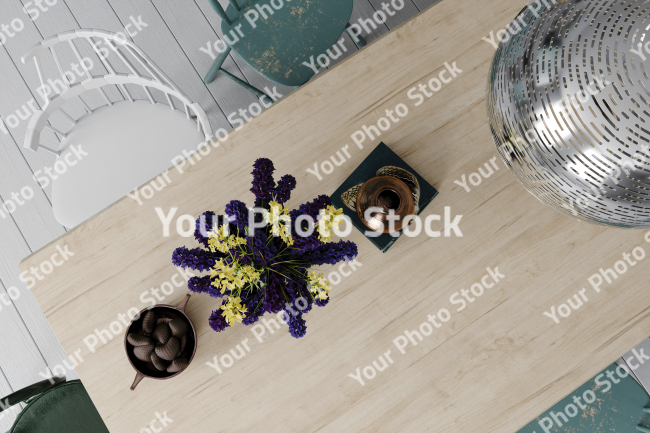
(261, 260)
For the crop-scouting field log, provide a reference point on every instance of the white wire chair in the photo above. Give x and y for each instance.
(115, 110)
(154, 79)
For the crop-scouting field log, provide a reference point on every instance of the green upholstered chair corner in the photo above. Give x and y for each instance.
(276, 42)
(55, 406)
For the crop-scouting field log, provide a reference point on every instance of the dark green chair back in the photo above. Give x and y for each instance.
(280, 40)
(64, 407)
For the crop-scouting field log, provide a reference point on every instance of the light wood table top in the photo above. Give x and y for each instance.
(492, 367)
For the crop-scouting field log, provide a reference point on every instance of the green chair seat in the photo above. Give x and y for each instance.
(281, 42)
(65, 408)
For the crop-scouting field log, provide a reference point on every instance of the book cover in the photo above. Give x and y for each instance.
(380, 157)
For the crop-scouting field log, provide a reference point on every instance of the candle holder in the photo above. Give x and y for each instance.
(387, 194)
(385, 182)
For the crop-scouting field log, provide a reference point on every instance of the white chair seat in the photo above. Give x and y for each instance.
(128, 144)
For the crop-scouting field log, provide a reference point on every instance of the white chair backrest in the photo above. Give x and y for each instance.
(119, 71)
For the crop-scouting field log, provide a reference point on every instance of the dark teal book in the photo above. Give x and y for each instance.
(611, 401)
(380, 157)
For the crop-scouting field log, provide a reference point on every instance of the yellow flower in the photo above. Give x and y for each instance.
(330, 219)
(285, 234)
(225, 276)
(278, 218)
(233, 310)
(233, 276)
(248, 274)
(318, 285)
(221, 240)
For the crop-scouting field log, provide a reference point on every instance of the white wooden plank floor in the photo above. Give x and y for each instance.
(172, 37)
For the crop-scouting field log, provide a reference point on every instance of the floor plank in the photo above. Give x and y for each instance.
(362, 12)
(349, 48)
(399, 16)
(100, 14)
(18, 165)
(423, 4)
(160, 45)
(8, 417)
(31, 315)
(32, 223)
(106, 20)
(23, 361)
(17, 96)
(59, 19)
(24, 41)
(192, 31)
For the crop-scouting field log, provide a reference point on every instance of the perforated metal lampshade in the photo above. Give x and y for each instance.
(569, 107)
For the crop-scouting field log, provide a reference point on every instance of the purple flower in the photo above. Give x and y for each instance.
(282, 267)
(254, 306)
(313, 207)
(199, 284)
(263, 251)
(321, 302)
(216, 293)
(285, 186)
(302, 242)
(238, 214)
(332, 253)
(197, 259)
(204, 224)
(296, 289)
(263, 183)
(297, 326)
(203, 285)
(273, 301)
(217, 321)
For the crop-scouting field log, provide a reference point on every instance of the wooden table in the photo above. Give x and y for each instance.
(492, 367)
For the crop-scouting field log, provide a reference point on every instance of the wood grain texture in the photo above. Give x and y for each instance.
(23, 370)
(32, 225)
(165, 51)
(29, 335)
(8, 417)
(34, 32)
(423, 4)
(17, 95)
(54, 21)
(34, 217)
(496, 364)
(350, 48)
(29, 344)
(399, 16)
(363, 10)
(229, 95)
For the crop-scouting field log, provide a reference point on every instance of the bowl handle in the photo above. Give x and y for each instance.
(183, 304)
(138, 377)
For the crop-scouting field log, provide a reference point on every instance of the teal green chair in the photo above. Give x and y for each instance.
(55, 406)
(275, 41)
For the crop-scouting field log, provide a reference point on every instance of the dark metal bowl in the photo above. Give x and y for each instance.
(165, 311)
